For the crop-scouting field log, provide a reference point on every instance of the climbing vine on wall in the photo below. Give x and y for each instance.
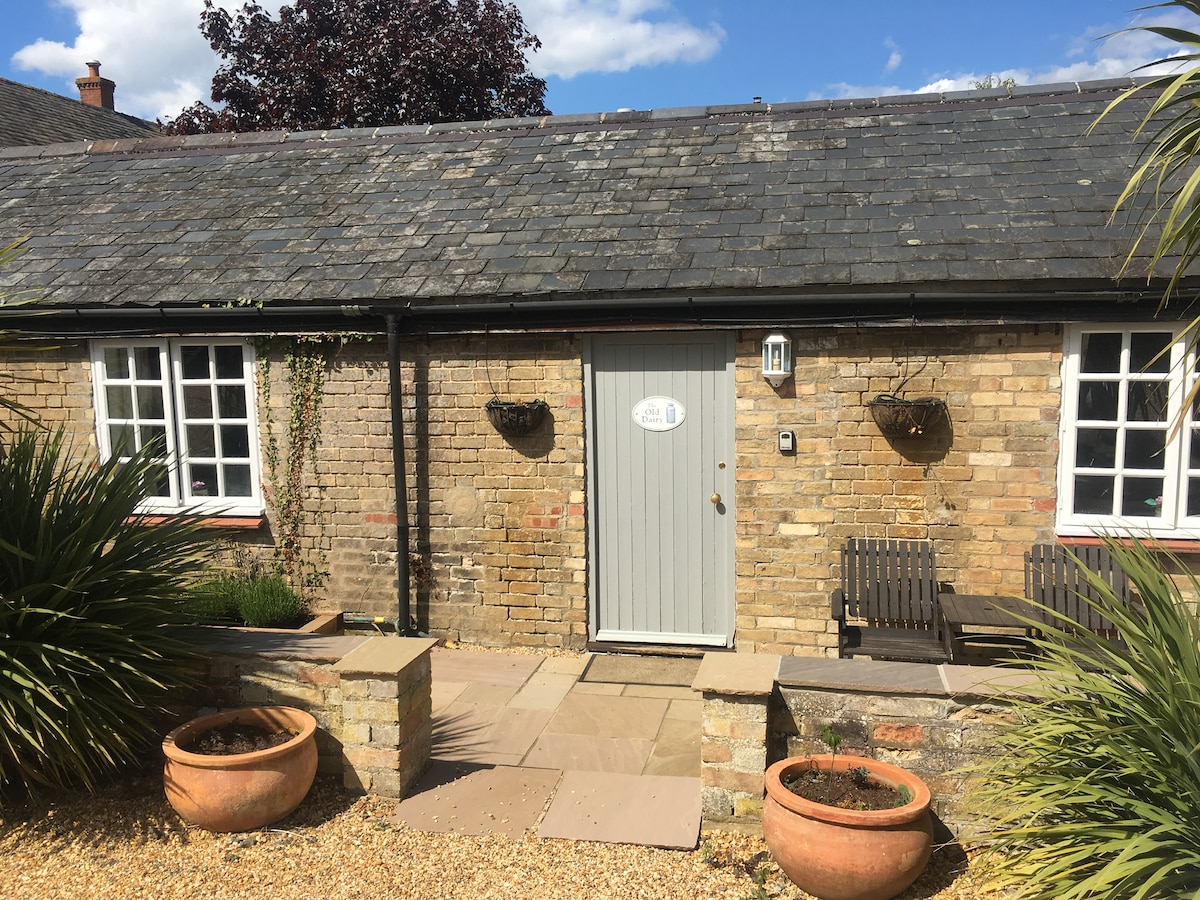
(290, 453)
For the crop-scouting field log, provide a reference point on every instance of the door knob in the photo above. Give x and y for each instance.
(715, 498)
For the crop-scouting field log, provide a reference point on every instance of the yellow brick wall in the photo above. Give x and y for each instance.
(981, 498)
(502, 520)
(503, 517)
(55, 380)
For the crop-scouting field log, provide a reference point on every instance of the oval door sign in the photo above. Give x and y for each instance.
(659, 413)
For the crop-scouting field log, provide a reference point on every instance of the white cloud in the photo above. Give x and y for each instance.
(155, 53)
(1098, 53)
(152, 49)
(895, 59)
(614, 36)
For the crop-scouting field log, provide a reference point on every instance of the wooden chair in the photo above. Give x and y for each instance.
(890, 587)
(1057, 581)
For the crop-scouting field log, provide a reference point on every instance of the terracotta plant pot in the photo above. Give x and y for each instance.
(241, 791)
(847, 854)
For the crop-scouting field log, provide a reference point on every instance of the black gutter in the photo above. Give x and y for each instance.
(404, 624)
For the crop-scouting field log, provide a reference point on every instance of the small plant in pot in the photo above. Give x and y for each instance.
(847, 827)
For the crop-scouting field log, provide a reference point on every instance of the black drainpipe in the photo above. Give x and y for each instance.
(403, 618)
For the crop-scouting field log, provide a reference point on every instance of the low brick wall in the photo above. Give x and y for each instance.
(932, 720)
(371, 697)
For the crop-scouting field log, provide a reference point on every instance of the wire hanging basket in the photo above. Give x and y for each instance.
(515, 418)
(900, 418)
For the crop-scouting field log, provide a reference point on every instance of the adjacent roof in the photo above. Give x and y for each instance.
(971, 195)
(31, 117)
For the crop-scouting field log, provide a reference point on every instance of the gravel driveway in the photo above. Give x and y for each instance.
(127, 842)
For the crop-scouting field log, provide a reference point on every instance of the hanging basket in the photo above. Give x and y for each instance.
(899, 418)
(515, 419)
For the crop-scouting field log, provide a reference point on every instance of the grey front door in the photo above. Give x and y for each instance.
(661, 486)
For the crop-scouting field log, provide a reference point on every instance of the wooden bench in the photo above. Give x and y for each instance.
(1056, 580)
(890, 588)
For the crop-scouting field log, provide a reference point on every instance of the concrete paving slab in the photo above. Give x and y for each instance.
(654, 811)
(676, 751)
(543, 690)
(624, 717)
(482, 667)
(586, 752)
(465, 799)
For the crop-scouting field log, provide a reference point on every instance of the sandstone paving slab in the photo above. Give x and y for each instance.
(482, 667)
(489, 694)
(604, 716)
(443, 693)
(486, 734)
(565, 665)
(466, 799)
(654, 811)
(676, 751)
(543, 691)
(598, 687)
(667, 692)
(591, 753)
(691, 710)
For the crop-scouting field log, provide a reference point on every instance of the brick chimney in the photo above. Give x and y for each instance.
(94, 90)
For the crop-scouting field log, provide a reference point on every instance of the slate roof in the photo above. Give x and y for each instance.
(973, 194)
(31, 117)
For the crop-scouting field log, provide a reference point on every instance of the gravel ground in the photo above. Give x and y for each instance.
(126, 841)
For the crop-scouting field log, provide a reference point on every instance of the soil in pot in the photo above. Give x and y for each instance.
(852, 789)
(236, 737)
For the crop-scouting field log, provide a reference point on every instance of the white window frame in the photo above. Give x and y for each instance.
(182, 495)
(1173, 522)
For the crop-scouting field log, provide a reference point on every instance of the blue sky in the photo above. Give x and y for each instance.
(602, 55)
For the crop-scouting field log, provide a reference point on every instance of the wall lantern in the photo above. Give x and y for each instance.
(777, 358)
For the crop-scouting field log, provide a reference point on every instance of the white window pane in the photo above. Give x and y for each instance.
(147, 365)
(1146, 351)
(1101, 353)
(1142, 497)
(237, 481)
(1094, 494)
(119, 399)
(194, 362)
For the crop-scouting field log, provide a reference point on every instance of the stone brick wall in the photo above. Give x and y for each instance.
(981, 491)
(934, 721)
(371, 699)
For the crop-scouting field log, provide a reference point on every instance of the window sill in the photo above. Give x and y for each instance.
(1174, 545)
(233, 523)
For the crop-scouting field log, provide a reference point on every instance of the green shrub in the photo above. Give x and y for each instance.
(1097, 793)
(261, 601)
(91, 598)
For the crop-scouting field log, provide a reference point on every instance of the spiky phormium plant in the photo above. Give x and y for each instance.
(90, 594)
(1097, 793)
